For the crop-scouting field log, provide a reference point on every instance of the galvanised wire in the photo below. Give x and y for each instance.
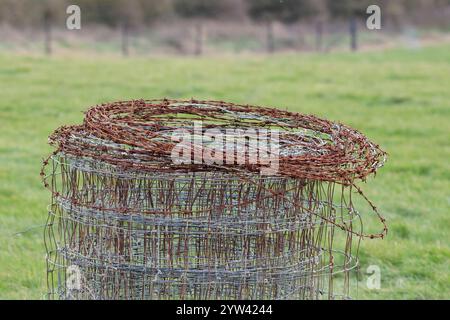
(135, 225)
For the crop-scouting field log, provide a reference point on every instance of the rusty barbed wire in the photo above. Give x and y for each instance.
(211, 231)
(343, 154)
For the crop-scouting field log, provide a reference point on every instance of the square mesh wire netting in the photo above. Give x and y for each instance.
(128, 221)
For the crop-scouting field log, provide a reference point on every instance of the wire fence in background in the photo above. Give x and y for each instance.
(181, 38)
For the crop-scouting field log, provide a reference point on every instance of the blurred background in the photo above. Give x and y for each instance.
(310, 56)
(143, 27)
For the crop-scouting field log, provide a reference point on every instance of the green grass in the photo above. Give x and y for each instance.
(399, 98)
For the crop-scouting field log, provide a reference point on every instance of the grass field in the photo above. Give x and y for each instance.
(399, 98)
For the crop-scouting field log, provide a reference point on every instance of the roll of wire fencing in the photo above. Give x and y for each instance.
(168, 199)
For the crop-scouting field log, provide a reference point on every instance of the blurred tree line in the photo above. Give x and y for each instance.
(130, 14)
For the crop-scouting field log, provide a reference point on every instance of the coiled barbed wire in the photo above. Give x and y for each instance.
(114, 176)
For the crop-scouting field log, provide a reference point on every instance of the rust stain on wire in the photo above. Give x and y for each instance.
(139, 226)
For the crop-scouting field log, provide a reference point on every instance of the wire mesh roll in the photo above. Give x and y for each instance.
(124, 224)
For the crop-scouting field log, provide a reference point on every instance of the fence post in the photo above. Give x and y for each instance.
(353, 33)
(270, 37)
(198, 38)
(319, 36)
(125, 37)
(48, 32)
